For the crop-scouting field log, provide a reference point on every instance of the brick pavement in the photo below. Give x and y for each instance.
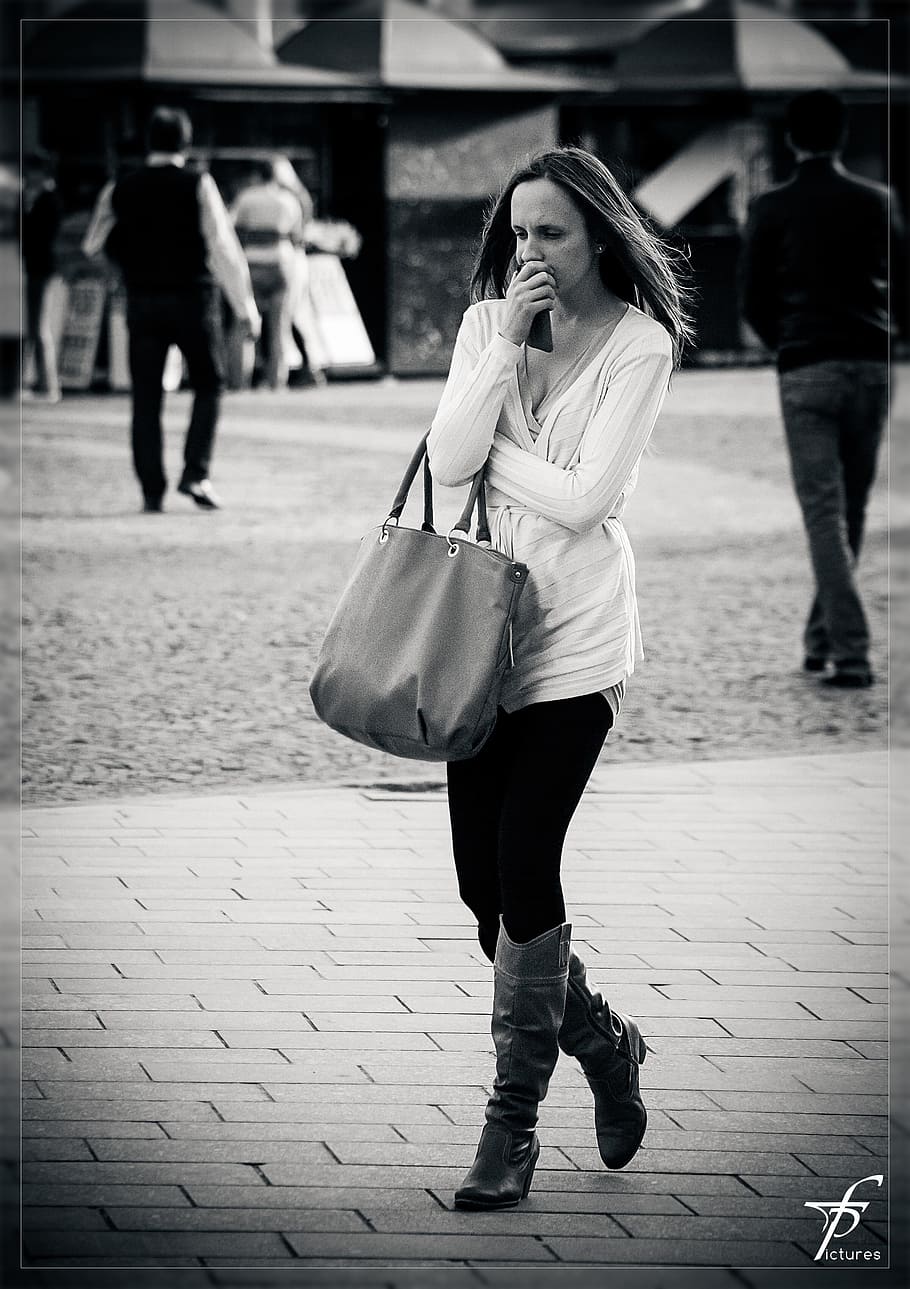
(256, 1035)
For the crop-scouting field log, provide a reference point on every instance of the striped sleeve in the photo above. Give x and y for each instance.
(468, 411)
(584, 495)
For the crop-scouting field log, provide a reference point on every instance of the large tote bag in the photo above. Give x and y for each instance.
(416, 652)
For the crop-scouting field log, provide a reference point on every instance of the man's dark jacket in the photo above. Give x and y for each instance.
(814, 268)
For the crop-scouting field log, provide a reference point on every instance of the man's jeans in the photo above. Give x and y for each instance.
(191, 320)
(834, 413)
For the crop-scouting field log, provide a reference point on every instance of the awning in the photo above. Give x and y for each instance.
(159, 41)
(403, 46)
(738, 45)
(584, 30)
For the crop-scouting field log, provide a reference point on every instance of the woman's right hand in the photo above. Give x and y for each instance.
(531, 291)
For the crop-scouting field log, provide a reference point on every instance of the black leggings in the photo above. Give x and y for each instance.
(511, 806)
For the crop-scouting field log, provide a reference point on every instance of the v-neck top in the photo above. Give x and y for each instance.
(535, 415)
(557, 485)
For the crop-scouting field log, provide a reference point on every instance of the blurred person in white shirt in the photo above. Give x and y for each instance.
(270, 219)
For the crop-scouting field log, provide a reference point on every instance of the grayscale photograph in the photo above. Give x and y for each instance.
(453, 461)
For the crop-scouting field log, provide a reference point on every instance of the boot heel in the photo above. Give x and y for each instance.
(530, 1177)
(637, 1044)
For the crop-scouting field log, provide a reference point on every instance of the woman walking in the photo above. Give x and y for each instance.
(561, 433)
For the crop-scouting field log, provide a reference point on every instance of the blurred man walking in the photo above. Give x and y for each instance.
(814, 282)
(168, 230)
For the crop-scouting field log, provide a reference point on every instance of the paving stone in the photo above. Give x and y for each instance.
(394, 1248)
(236, 1219)
(43, 1009)
(232, 1150)
(292, 1043)
(852, 1030)
(230, 1067)
(527, 1222)
(38, 1129)
(779, 1163)
(161, 1173)
(315, 1112)
(798, 1102)
(61, 1149)
(148, 1244)
(726, 1046)
(48, 1062)
(173, 1039)
(65, 970)
(369, 1094)
(317, 1196)
(861, 1164)
(98, 1194)
(669, 1253)
(798, 1225)
(758, 1121)
(59, 1218)
(424, 1155)
(192, 1017)
(112, 1110)
(264, 1135)
(96, 1090)
(832, 1185)
(383, 1176)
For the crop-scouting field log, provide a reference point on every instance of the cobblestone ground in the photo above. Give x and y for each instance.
(256, 1035)
(173, 652)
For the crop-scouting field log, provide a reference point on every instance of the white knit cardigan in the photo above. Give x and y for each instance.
(556, 491)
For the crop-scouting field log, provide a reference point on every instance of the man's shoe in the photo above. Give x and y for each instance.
(849, 680)
(201, 492)
(813, 663)
(153, 505)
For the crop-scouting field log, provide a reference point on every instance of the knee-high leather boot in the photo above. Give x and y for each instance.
(609, 1048)
(529, 999)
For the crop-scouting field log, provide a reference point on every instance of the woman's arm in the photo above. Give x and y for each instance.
(465, 420)
(583, 496)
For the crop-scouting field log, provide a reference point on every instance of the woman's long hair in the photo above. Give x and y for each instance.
(635, 263)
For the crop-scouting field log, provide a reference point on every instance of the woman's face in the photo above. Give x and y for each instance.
(549, 226)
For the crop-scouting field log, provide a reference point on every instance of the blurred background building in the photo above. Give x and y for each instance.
(403, 117)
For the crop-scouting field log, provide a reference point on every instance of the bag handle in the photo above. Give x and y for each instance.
(476, 497)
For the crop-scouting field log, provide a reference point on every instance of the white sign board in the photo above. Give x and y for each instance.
(81, 332)
(331, 326)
